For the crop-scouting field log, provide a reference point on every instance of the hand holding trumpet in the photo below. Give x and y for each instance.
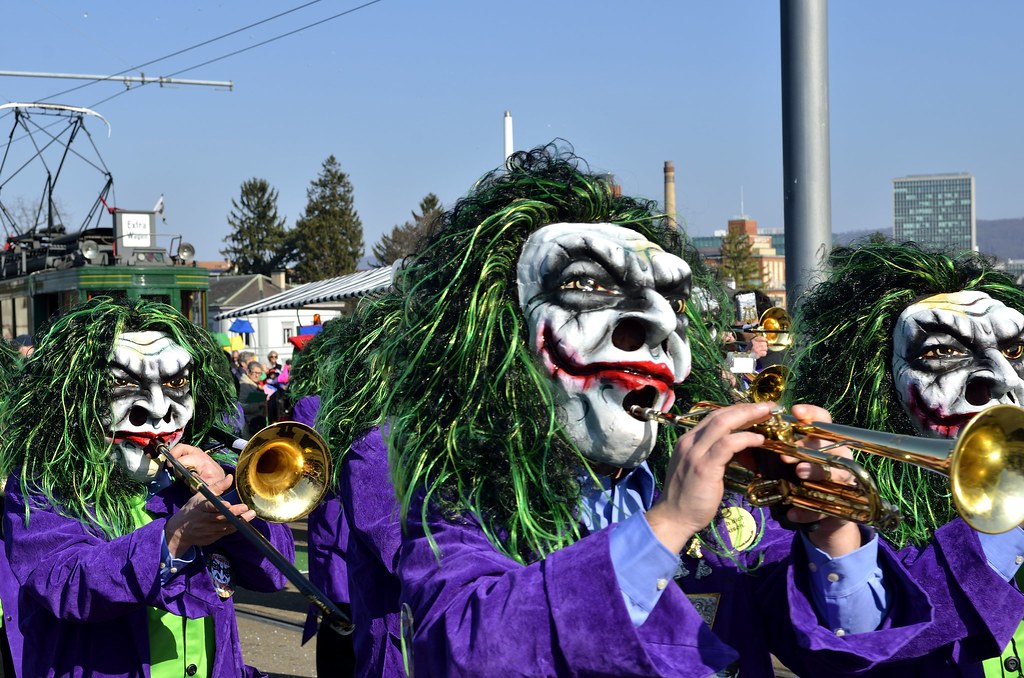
(834, 536)
(695, 481)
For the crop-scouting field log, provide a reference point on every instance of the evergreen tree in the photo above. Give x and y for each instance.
(738, 261)
(328, 236)
(407, 238)
(258, 242)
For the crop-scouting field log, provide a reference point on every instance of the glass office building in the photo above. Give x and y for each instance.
(935, 211)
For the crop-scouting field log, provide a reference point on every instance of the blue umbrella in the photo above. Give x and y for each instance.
(241, 326)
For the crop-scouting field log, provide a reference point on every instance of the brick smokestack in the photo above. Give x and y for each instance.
(670, 191)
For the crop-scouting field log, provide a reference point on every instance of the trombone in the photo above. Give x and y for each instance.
(984, 464)
(281, 474)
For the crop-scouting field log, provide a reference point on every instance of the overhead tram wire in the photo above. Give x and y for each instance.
(207, 42)
(246, 49)
(186, 49)
(276, 38)
(170, 56)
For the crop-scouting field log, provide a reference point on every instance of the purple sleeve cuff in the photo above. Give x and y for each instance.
(643, 566)
(848, 592)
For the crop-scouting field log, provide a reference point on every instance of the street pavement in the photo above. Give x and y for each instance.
(270, 625)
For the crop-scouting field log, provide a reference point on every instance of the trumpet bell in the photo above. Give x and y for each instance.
(775, 323)
(283, 472)
(769, 385)
(988, 483)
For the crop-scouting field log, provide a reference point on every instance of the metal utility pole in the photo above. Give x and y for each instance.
(128, 80)
(805, 142)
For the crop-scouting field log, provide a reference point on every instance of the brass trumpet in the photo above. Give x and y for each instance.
(774, 324)
(768, 385)
(281, 474)
(984, 464)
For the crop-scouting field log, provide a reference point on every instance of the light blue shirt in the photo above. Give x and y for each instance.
(848, 592)
(643, 565)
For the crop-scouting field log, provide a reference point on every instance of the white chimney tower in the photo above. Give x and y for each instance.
(509, 147)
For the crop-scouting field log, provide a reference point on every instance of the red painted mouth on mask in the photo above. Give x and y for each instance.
(936, 421)
(629, 376)
(145, 439)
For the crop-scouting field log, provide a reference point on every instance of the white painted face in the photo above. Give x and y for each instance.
(953, 356)
(604, 308)
(150, 399)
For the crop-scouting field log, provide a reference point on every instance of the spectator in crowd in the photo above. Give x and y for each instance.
(242, 364)
(25, 345)
(252, 397)
(273, 367)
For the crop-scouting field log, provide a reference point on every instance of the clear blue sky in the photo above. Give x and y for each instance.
(410, 96)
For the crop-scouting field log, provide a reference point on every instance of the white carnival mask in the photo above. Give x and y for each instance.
(605, 311)
(953, 356)
(150, 399)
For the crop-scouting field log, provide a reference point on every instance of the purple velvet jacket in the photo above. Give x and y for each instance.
(478, 612)
(327, 535)
(374, 540)
(9, 596)
(83, 599)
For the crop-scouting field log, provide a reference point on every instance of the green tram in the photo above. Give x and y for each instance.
(43, 277)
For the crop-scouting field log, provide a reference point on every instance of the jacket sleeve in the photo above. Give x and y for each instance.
(477, 612)
(970, 598)
(251, 568)
(370, 508)
(78, 576)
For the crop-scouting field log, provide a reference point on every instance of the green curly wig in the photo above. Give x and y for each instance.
(10, 360)
(843, 362)
(306, 376)
(52, 414)
(710, 314)
(349, 374)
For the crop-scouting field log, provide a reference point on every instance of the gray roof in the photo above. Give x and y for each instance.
(238, 290)
(320, 292)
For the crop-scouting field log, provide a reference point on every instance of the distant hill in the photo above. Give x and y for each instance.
(1001, 238)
